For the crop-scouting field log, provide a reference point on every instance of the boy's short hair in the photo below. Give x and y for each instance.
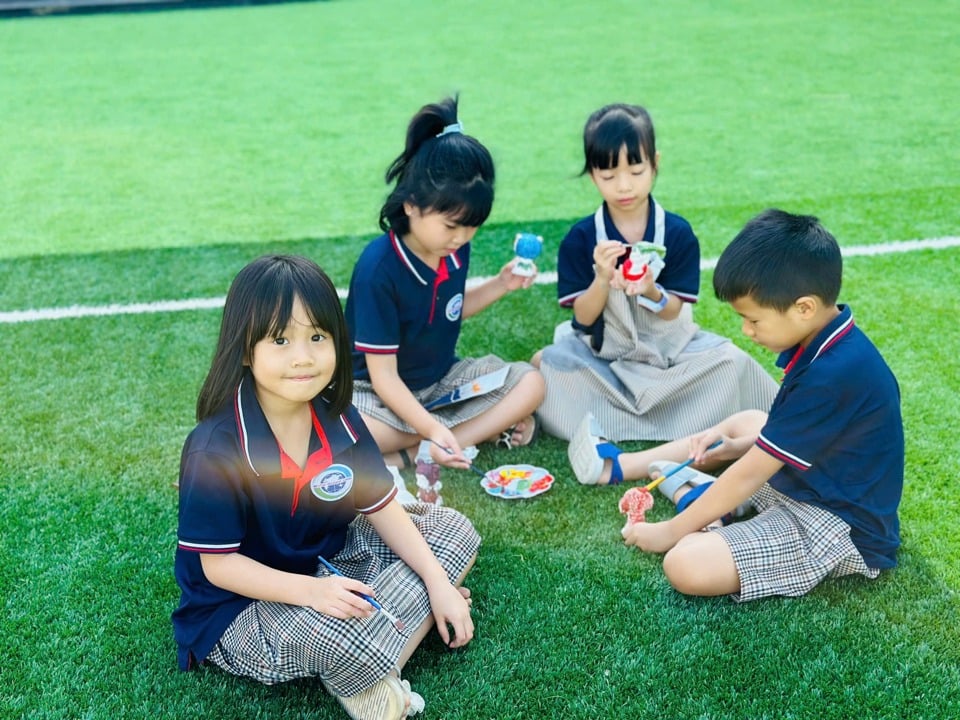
(777, 258)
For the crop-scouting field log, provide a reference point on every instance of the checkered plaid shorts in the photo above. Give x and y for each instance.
(273, 642)
(462, 372)
(789, 547)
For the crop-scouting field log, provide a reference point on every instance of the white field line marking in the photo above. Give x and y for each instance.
(544, 278)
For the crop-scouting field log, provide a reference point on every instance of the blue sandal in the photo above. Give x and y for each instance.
(588, 449)
(698, 490)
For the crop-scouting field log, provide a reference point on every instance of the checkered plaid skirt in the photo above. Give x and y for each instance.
(789, 547)
(274, 642)
(462, 372)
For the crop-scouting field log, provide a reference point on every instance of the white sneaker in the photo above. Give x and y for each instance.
(582, 453)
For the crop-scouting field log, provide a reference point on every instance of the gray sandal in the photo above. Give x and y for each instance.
(686, 476)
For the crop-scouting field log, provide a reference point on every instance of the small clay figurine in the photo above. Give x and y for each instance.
(428, 482)
(635, 503)
(638, 260)
(631, 273)
(527, 247)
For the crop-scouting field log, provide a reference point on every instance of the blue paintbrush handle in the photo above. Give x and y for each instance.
(332, 569)
(678, 468)
(686, 462)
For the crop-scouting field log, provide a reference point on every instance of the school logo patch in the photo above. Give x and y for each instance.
(333, 483)
(454, 307)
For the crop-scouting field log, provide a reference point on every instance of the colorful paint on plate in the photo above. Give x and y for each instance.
(514, 482)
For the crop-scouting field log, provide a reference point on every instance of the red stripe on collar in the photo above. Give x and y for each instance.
(834, 337)
(317, 461)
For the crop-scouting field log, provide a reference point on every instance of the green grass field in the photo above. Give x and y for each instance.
(146, 157)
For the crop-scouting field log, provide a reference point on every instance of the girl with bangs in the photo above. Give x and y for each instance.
(632, 364)
(408, 298)
(294, 558)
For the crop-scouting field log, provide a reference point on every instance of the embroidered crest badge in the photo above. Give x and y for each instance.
(333, 483)
(454, 307)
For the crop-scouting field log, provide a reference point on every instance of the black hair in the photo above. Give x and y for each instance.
(777, 258)
(259, 305)
(446, 172)
(613, 127)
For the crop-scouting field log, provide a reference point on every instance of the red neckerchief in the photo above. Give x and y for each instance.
(442, 275)
(315, 463)
(793, 361)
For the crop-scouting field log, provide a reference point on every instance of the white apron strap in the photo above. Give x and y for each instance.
(659, 224)
(599, 225)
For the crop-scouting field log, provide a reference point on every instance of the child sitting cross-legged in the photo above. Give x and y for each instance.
(631, 353)
(294, 558)
(409, 297)
(823, 469)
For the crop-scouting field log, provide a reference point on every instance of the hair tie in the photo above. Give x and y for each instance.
(452, 128)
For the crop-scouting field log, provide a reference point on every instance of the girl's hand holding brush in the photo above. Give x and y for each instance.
(361, 592)
(469, 466)
(720, 448)
(340, 597)
(446, 450)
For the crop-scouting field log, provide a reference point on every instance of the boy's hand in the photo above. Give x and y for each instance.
(511, 281)
(635, 287)
(728, 450)
(655, 537)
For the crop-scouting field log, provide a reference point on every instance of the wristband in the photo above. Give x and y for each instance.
(654, 305)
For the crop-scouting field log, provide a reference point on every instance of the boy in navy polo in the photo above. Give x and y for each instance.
(823, 470)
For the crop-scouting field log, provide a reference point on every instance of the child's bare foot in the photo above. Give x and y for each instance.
(520, 435)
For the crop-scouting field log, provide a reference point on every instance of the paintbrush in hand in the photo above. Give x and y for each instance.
(448, 451)
(397, 622)
(675, 470)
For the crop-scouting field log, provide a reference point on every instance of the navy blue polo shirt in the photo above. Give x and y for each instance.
(836, 426)
(680, 275)
(240, 493)
(397, 305)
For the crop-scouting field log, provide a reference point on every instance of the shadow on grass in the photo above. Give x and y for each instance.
(130, 276)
